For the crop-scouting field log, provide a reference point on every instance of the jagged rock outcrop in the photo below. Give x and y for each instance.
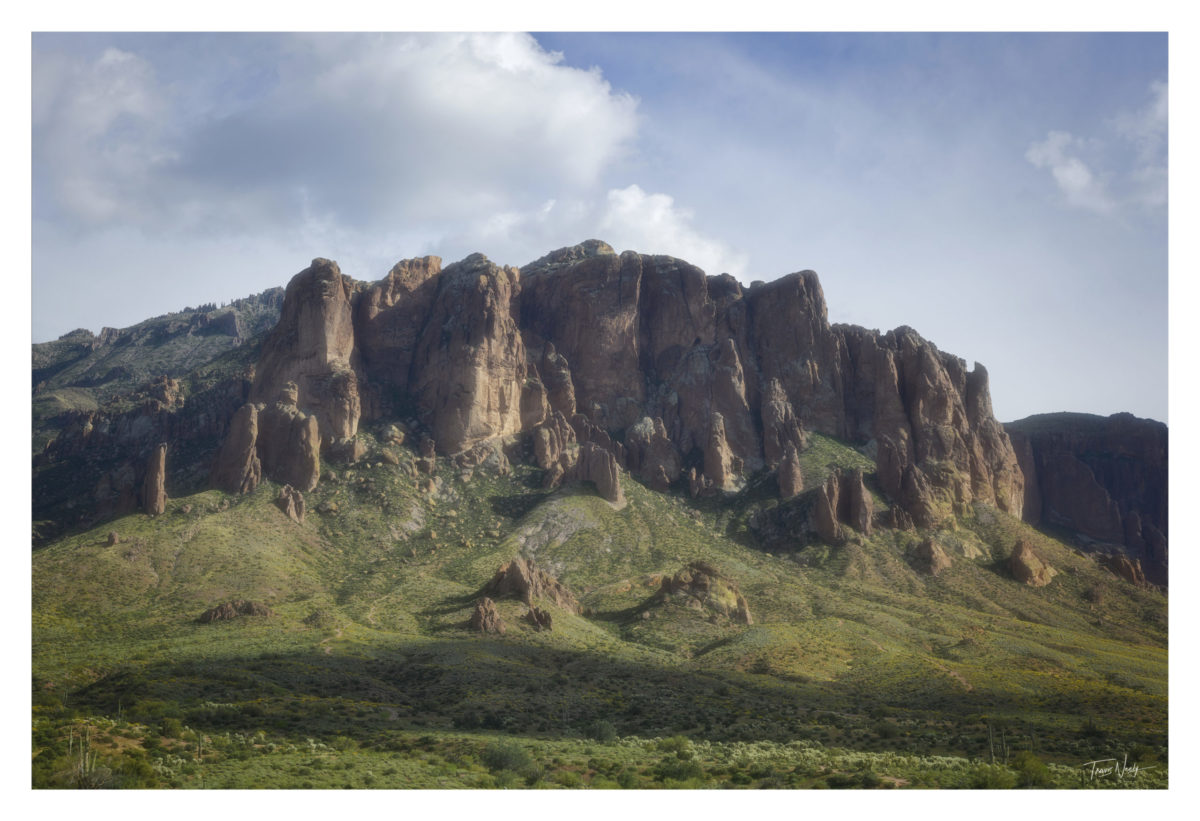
(1105, 478)
(599, 466)
(708, 589)
(526, 581)
(289, 442)
(929, 558)
(486, 618)
(469, 375)
(154, 487)
(312, 348)
(557, 450)
(539, 618)
(1122, 567)
(650, 454)
(291, 502)
(789, 475)
(842, 499)
(1029, 568)
(719, 464)
(782, 431)
(237, 468)
(232, 610)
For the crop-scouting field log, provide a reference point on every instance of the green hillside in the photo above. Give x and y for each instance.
(857, 671)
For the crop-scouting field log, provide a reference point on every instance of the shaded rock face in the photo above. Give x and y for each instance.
(929, 558)
(789, 476)
(557, 450)
(96, 467)
(468, 376)
(842, 499)
(232, 610)
(486, 618)
(1122, 567)
(312, 347)
(710, 589)
(648, 359)
(539, 618)
(291, 502)
(289, 442)
(650, 453)
(1027, 567)
(237, 468)
(1104, 478)
(526, 581)
(154, 488)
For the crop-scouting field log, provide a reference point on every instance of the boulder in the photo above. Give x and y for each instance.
(702, 586)
(1029, 568)
(929, 558)
(539, 618)
(523, 579)
(486, 618)
(291, 502)
(234, 609)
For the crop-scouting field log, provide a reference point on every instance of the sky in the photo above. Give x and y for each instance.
(1003, 194)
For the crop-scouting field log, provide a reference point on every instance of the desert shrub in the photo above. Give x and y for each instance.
(627, 779)
(993, 777)
(886, 729)
(506, 755)
(1031, 771)
(673, 769)
(171, 727)
(841, 780)
(602, 731)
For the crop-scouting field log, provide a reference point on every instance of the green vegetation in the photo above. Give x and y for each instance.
(858, 671)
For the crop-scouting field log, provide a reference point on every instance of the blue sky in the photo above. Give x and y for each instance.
(1005, 195)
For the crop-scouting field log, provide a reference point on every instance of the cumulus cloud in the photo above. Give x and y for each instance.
(1132, 153)
(627, 218)
(1072, 175)
(367, 131)
(653, 223)
(96, 136)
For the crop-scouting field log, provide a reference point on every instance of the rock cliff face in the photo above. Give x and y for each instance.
(653, 366)
(1103, 478)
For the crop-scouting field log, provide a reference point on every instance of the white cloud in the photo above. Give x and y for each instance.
(1146, 130)
(1073, 177)
(369, 131)
(653, 224)
(1132, 152)
(96, 139)
(626, 218)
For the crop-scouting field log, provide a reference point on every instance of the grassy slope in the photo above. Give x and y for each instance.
(843, 638)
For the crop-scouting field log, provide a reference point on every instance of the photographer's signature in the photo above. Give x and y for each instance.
(1121, 769)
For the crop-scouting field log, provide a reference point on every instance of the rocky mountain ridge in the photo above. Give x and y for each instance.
(661, 369)
(592, 365)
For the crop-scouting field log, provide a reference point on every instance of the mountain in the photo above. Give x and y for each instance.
(1102, 480)
(602, 520)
